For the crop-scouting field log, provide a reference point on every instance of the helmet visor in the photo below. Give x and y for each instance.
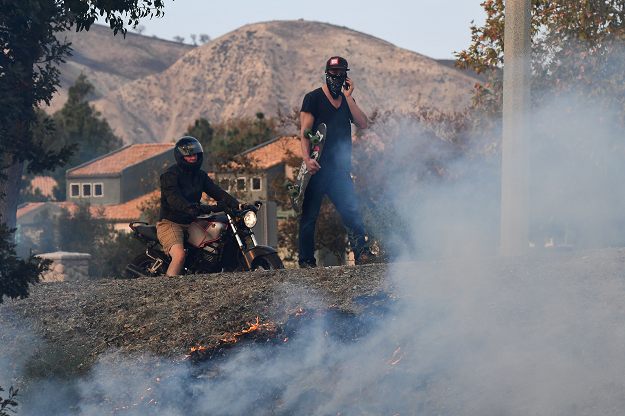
(188, 149)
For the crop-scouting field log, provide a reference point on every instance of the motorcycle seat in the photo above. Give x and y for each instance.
(148, 231)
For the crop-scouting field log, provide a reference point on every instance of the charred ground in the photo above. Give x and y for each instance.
(169, 317)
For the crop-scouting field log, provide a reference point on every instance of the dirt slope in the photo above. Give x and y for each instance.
(169, 316)
(265, 66)
(544, 331)
(112, 61)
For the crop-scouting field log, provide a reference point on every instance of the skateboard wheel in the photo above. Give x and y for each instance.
(288, 185)
(315, 140)
(293, 193)
(308, 133)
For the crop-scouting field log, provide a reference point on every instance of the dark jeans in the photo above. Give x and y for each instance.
(339, 187)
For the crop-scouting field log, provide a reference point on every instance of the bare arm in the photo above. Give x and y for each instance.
(307, 120)
(360, 118)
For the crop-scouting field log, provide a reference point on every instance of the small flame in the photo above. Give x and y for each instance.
(234, 338)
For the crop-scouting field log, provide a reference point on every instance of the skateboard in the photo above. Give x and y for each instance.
(297, 189)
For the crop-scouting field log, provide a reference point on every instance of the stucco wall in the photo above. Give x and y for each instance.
(110, 186)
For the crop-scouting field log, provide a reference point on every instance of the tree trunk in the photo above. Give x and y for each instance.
(10, 189)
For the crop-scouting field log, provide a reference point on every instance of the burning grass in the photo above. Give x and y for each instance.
(195, 316)
(446, 337)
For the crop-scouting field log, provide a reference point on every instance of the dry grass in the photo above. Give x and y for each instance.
(170, 316)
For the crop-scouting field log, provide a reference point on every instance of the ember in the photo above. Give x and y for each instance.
(199, 351)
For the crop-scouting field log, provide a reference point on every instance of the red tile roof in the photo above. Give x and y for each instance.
(44, 184)
(25, 209)
(272, 153)
(129, 211)
(114, 162)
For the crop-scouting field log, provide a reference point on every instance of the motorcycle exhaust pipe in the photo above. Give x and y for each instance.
(135, 272)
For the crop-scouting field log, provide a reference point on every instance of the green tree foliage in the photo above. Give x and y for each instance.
(17, 274)
(84, 232)
(577, 48)
(203, 132)
(578, 97)
(234, 136)
(77, 124)
(30, 75)
(7, 404)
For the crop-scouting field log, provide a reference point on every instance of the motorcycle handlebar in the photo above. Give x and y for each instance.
(211, 209)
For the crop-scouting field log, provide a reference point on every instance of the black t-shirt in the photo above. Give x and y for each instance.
(337, 152)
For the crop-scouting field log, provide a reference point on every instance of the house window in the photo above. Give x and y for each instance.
(74, 190)
(256, 184)
(224, 184)
(241, 184)
(86, 190)
(98, 189)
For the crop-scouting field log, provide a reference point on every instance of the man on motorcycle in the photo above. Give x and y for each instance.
(182, 186)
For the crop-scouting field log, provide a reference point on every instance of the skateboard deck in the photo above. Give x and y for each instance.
(298, 187)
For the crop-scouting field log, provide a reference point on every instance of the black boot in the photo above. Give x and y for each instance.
(307, 264)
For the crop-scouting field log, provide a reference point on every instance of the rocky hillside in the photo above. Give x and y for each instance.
(265, 66)
(112, 61)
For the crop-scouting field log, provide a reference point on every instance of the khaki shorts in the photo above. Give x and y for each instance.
(170, 233)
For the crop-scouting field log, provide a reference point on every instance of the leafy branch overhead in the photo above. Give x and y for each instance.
(32, 48)
(577, 48)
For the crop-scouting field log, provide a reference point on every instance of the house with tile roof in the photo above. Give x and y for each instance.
(269, 158)
(120, 176)
(31, 216)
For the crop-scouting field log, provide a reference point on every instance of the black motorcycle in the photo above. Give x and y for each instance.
(213, 244)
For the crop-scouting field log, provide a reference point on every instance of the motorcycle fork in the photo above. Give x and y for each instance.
(240, 242)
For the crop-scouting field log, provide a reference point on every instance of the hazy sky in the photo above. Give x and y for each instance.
(435, 28)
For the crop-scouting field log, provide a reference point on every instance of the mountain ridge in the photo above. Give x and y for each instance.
(270, 65)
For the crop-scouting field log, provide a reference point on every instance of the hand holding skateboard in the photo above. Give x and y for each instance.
(309, 167)
(312, 164)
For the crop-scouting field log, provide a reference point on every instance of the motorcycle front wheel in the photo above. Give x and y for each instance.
(268, 262)
(145, 263)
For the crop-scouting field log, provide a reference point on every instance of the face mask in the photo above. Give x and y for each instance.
(335, 83)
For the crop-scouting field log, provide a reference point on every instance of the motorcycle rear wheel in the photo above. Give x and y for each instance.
(145, 262)
(268, 262)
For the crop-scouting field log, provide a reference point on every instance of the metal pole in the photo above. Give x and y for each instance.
(516, 129)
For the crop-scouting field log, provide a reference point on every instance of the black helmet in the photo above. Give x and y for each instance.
(187, 146)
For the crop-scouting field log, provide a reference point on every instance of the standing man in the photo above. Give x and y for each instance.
(332, 174)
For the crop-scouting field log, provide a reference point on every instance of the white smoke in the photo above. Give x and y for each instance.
(478, 335)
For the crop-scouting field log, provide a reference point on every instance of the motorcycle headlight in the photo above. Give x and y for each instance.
(249, 219)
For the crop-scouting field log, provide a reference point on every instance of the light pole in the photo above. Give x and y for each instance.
(516, 129)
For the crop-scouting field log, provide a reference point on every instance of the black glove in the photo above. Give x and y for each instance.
(206, 209)
(193, 209)
(233, 205)
(219, 206)
(249, 207)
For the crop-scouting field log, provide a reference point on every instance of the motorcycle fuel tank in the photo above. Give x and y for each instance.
(203, 231)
